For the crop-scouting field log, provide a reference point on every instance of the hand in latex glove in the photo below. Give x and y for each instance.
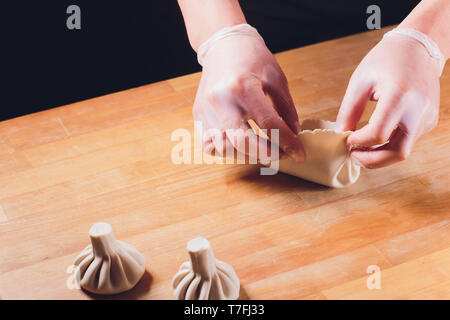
(238, 71)
(403, 78)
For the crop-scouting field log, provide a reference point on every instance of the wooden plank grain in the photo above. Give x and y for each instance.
(413, 245)
(109, 159)
(422, 277)
(308, 280)
(3, 216)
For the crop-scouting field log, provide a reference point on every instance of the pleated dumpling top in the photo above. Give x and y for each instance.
(204, 277)
(108, 266)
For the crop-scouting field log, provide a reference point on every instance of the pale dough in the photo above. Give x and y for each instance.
(107, 265)
(327, 157)
(204, 277)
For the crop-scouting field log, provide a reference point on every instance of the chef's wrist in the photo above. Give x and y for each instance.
(430, 17)
(240, 30)
(422, 41)
(203, 18)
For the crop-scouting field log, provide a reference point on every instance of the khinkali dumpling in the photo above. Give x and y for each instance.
(327, 157)
(204, 277)
(107, 265)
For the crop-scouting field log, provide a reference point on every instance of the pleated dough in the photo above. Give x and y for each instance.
(107, 265)
(327, 157)
(204, 277)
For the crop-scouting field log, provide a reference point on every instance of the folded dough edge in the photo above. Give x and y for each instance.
(327, 157)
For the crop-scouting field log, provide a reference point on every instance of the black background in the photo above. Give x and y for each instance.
(124, 44)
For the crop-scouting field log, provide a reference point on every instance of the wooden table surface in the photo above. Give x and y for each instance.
(109, 159)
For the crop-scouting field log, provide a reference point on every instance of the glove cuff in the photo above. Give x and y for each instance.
(240, 29)
(426, 41)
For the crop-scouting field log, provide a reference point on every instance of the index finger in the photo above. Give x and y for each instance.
(353, 104)
(260, 110)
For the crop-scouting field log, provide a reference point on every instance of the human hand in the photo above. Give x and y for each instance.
(403, 78)
(238, 72)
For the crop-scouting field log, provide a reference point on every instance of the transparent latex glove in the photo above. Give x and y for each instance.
(403, 78)
(238, 72)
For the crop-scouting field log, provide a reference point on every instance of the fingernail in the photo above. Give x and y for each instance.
(297, 127)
